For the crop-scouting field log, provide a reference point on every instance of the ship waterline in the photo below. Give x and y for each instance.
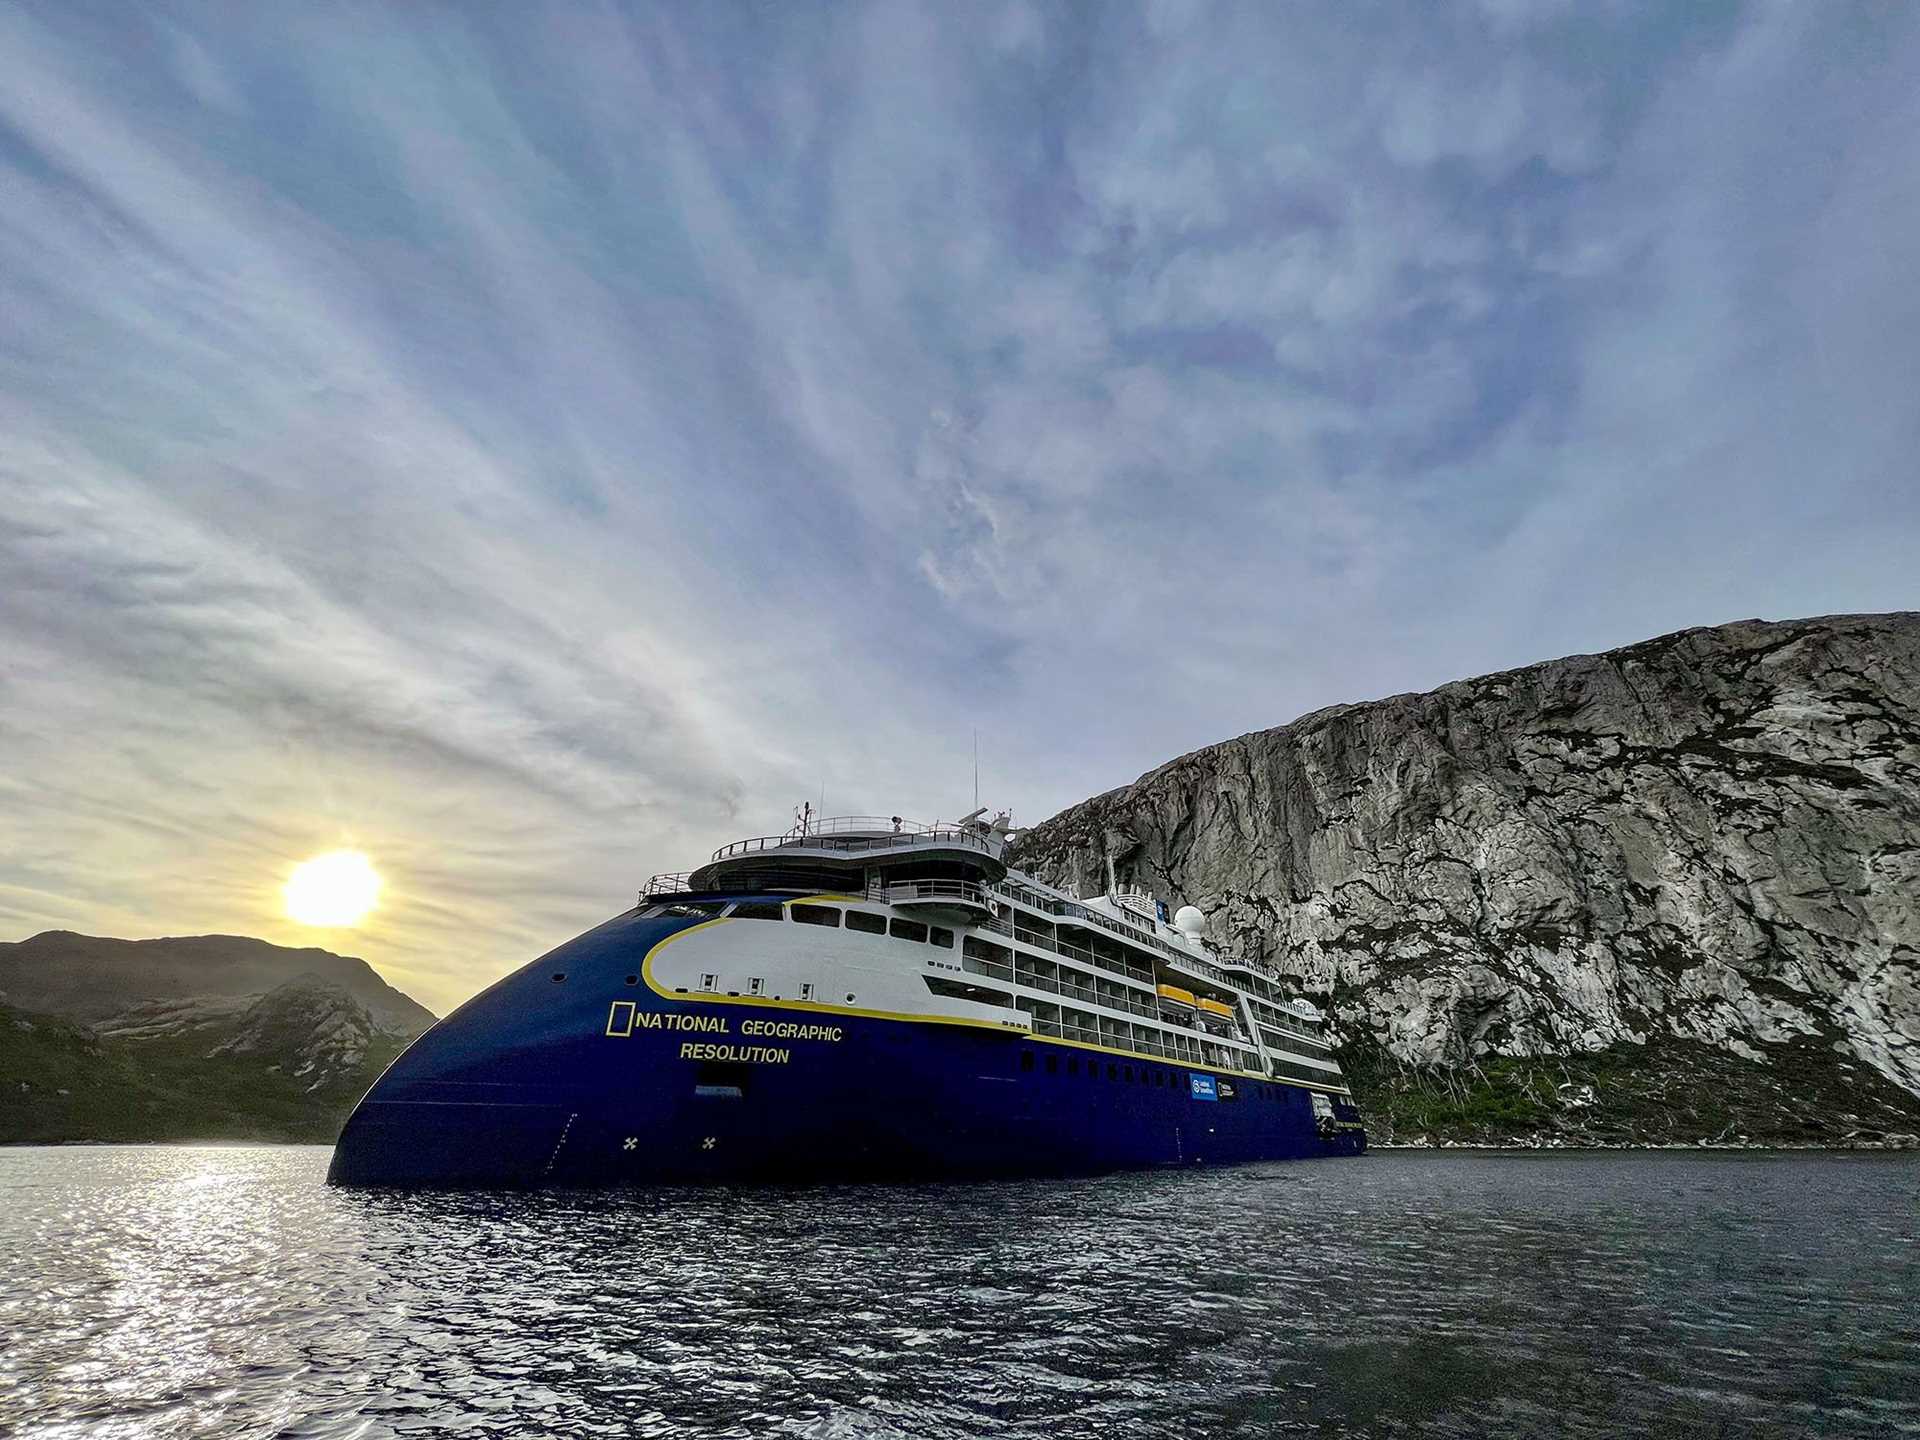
(856, 1000)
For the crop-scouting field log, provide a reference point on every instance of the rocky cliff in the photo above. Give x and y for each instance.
(1666, 894)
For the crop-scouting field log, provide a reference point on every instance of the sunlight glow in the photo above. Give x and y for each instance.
(338, 888)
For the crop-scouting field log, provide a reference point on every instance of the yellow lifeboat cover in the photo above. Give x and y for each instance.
(1214, 1007)
(1178, 996)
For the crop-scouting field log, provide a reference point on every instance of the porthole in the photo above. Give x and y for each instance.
(633, 979)
(558, 976)
(849, 997)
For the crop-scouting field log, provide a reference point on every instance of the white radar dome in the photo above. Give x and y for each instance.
(1190, 922)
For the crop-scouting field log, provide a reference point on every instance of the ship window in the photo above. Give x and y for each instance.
(709, 983)
(942, 938)
(816, 915)
(908, 930)
(633, 979)
(1160, 1078)
(1026, 1059)
(759, 910)
(1126, 1073)
(692, 909)
(955, 990)
(1113, 1071)
(1073, 1064)
(1053, 1064)
(1304, 1072)
(806, 989)
(756, 986)
(868, 924)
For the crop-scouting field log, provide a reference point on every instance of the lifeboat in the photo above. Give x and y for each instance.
(1213, 1007)
(1174, 995)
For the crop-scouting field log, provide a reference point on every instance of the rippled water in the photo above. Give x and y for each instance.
(175, 1291)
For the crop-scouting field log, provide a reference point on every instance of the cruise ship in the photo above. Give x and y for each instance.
(860, 998)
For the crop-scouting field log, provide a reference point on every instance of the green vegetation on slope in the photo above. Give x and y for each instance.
(1668, 1092)
(59, 1081)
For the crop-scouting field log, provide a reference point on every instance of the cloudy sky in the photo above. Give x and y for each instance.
(536, 446)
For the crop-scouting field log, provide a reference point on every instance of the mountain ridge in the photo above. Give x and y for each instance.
(219, 1037)
(94, 977)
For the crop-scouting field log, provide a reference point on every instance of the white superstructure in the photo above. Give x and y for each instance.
(881, 917)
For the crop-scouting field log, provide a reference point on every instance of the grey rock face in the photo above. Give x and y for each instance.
(312, 1027)
(1711, 837)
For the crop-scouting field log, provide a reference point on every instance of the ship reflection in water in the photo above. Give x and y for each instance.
(173, 1291)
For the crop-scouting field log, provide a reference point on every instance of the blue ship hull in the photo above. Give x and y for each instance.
(548, 1079)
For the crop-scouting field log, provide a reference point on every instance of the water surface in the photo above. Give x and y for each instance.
(160, 1291)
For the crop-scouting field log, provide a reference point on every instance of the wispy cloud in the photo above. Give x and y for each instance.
(539, 444)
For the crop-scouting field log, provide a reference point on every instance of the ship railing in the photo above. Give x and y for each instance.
(974, 965)
(1284, 1021)
(1001, 926)
(899, 892)
(1201, 967)
(1138, 934)
(1037, 982)
(891, 824)
(1138, 1045)
(668, 882)
(1084, 1033)
(1083, 994)
(1071, 909)
(945, 837)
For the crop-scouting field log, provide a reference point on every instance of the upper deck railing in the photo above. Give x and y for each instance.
(855, 833)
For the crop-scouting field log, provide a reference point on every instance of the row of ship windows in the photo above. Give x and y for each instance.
(1148, 1075)
(860, 920)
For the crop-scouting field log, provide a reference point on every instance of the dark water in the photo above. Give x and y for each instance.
(161, 1291)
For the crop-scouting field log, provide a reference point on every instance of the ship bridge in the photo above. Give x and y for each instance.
(942, 871)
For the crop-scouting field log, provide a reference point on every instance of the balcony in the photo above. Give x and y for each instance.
(957, 902)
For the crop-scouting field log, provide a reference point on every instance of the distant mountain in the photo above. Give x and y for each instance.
(202, 1038)
(91, 978)
(1668, 893)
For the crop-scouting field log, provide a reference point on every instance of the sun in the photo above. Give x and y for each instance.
(335, 889)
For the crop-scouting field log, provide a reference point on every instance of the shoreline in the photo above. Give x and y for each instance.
(1892, 1145)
